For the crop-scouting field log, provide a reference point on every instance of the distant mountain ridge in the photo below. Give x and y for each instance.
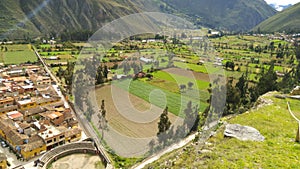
(280, 7)
(232, 15)
(287, 20)
(31, 18)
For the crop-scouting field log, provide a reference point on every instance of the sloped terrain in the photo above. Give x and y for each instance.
(287, 20)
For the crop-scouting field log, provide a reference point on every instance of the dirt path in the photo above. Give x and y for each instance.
(208, 130)
(168, 150)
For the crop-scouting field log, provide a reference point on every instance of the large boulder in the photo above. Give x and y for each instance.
(243, 133)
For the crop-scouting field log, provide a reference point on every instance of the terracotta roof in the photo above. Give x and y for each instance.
(33, 111)
(34, 142)
(4, 126)
(60, 109)
(72, 132)
(14, 114)
(9, 108)
(43, 100)
(7, 99)
(53, 105)
(54, 115)
(24, 125)
(16, 137)
(11, 132)
(18, 79)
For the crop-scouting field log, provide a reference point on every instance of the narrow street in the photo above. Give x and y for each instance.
(88, 131)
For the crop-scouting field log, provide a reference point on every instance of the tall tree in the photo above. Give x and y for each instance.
(103, 111)
(190, 85)
(164, 122)
(297, 50)
(242, 85)
(182, 87)
(268, 82)
(233, 98)
(105, 71)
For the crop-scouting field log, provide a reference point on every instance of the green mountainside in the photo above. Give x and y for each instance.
(32, 18)
(287, 20)
(38, 17)
(232, 15)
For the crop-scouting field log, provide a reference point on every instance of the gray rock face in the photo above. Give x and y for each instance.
(243, 133)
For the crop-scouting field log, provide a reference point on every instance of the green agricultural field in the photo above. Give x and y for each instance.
(158, 96)
(16, 54)
(15, 47)
(197, 68)
(178, 80)
(55, 53)
(45, 46)
(19, 57)
(1, 57)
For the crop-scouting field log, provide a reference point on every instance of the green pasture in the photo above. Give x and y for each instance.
(18, 57)
(158, 96)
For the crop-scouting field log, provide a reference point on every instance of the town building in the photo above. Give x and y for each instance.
(33, 118)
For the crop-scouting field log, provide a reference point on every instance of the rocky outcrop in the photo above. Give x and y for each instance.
(264, 100)
(243, 133)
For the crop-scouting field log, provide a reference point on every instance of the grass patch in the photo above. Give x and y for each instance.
(99, 165)
(11, 48)
(18, 57)
(279, 150)
(177, 79)
(122, 162)
(158, 96)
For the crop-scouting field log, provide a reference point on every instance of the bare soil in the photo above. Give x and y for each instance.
(78, 161)
(188, 73)
(128, 114)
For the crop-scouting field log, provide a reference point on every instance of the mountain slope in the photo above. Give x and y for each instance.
(55, 16)
(31, 18)
(233, 15)
(287, 20)
(11, 19)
